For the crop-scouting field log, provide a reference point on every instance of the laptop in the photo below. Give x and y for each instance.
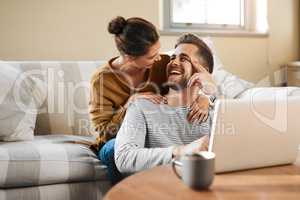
(249, 134)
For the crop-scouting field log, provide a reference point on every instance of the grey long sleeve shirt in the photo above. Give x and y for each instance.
(149, 133)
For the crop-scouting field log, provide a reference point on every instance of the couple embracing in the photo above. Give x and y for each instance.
(148, 107)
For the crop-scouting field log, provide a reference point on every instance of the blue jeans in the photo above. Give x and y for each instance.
(106, 155)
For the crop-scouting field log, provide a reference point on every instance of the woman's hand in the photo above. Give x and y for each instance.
(199, 109)
(154, 98)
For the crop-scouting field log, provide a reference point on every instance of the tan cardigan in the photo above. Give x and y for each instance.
(109, 93)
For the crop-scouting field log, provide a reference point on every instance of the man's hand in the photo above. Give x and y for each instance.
(203, 79)
(192, 148)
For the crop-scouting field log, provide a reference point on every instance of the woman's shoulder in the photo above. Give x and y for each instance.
(103, 72)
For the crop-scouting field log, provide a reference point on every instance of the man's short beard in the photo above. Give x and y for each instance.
(178, 86)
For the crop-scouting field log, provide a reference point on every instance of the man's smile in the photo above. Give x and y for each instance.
(175, 70)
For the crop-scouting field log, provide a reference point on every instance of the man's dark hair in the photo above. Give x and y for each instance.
(133, 36)
(204, 51)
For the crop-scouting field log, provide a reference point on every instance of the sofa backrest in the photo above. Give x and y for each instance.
(65, 109)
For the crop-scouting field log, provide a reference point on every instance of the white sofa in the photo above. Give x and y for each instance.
(53, 166)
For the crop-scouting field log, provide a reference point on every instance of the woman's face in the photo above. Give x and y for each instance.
(146, 61)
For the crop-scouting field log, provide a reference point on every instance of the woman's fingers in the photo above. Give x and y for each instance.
(193, 110)
(206, 117)
(159, 99)
(155, 98)
(202, 116)
(197, 115)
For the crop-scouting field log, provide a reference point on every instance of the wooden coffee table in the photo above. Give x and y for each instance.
(282, 182)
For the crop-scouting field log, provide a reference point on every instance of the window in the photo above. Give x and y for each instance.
(215, 16)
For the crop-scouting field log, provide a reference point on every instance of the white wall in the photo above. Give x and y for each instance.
(76, 30)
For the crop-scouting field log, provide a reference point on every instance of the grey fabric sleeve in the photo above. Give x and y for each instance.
(130, 152)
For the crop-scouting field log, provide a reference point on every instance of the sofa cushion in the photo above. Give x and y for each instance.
(48, 160)
(66, 191)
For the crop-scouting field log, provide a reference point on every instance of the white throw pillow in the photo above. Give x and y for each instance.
(20, 97)
(230, 86)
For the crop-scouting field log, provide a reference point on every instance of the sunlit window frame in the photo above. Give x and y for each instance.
(247, 27)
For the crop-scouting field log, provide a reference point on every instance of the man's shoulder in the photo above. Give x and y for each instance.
(143, 103)
(140, 110)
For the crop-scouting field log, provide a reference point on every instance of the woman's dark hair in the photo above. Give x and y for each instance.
(204, 51)
(133, 36)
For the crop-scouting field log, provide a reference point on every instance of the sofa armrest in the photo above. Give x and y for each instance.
(270, 92)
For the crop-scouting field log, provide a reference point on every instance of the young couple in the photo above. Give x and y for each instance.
(148, 107)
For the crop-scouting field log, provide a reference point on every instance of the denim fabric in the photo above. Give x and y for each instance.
(106, 155)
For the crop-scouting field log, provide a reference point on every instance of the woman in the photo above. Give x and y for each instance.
(139, 72)
(131, 75)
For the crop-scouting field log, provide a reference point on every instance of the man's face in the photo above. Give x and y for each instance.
(180, 68)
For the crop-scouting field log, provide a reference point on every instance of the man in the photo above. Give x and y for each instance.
(153, 134)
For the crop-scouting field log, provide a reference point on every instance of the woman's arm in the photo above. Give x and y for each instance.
(105, 119)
